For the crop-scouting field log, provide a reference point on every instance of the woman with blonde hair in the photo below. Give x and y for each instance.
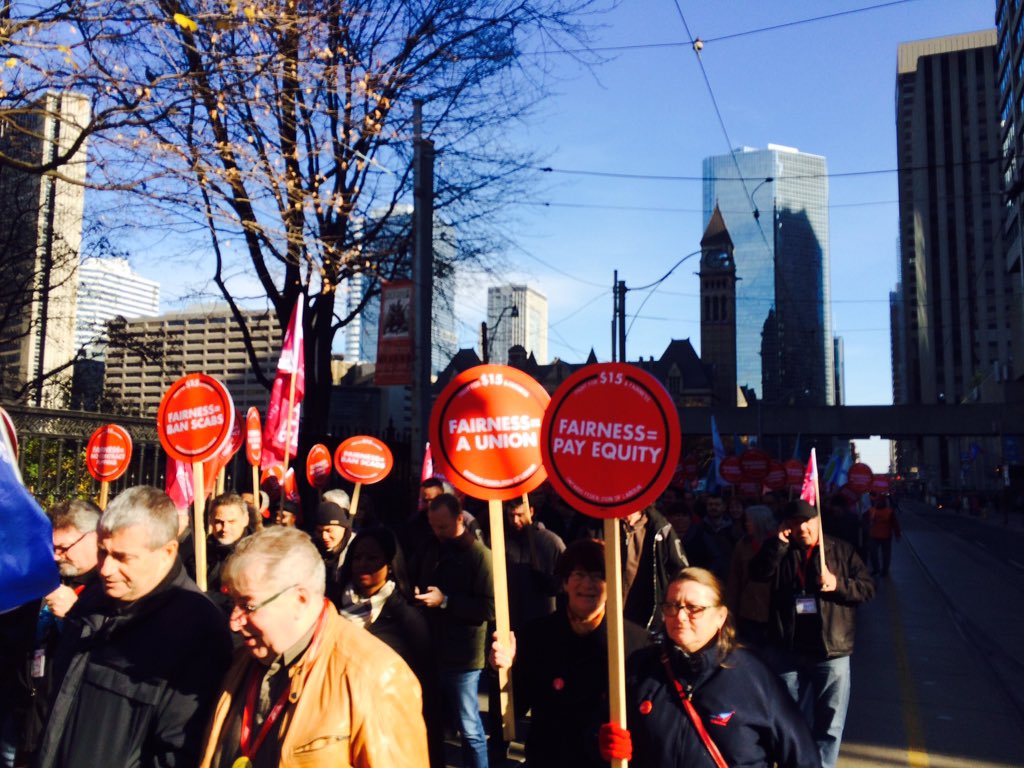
(697, 695)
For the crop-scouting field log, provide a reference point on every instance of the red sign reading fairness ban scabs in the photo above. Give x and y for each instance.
(363, 459)
(610, 439)
(195, 418)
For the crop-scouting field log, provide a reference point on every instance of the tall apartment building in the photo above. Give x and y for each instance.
(361, 333)
(1010, 23)
(40, 242)
(774, 203)
(526, 327)
(108, 288)
(956, 300)
(165, 348)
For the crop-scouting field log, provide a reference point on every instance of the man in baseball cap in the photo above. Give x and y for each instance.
(334, 534)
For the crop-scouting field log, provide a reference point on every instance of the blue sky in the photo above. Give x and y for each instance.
(825, 87)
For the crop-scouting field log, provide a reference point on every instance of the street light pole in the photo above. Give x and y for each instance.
(486, 334)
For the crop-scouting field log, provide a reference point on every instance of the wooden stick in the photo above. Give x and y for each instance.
(104, 494)
(821, 523)
(256, 489)
(220, 480)
(613, 614)
(355, 499)
(501, 619)
(199, 524)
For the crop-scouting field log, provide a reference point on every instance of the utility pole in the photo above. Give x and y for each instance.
(423, 281)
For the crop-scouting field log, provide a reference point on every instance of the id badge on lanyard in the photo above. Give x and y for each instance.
(806, 605)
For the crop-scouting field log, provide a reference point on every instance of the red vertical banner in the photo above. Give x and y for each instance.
(395, 334)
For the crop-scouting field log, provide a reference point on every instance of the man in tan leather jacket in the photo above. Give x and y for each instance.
(308, 688)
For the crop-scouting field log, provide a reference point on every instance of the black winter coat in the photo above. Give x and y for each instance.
(662, 559)
(782, 565)
(135, 681)
(741, 703)
(563, 677)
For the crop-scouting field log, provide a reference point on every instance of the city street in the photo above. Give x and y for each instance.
(938, 679)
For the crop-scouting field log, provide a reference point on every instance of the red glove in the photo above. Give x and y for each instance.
(614, 742)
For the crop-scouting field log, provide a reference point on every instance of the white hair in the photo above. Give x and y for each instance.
(282, 556)
(145, 506)
(339, 497)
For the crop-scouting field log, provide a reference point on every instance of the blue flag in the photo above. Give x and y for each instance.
(27, 569)
(716, 442)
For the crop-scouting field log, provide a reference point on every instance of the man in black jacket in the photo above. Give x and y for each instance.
(652, 555)
(454, 583)
(142, 653)
(813, 610)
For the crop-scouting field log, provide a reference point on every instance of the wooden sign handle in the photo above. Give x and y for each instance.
(220, 480)
(613, 614)
(199, 524)
(104, 495)
(355, 499)
(501, 619)
(256, 489)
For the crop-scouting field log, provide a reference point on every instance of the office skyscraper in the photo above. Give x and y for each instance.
(956, 296)
(774, 203)
(527, 327)
(40, 240)
(108, 288)
(360, 334)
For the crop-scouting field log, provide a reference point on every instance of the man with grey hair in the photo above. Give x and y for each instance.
(142, 650)
(308, 687)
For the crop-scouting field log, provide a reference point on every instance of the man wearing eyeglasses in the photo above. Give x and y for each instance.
(31, 632)
(142, 651)
(307, 688)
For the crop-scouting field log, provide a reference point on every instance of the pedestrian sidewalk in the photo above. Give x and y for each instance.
(923, 695)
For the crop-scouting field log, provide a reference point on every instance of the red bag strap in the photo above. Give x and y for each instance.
(692, 712)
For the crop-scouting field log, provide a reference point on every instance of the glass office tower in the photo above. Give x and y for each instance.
(784, 348)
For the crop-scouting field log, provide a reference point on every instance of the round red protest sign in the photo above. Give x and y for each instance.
(880, 484)
(794, 473)
(691, 466)
(195, 418)
(749, 489)
(12, 435)
(776, 477)
(108, 453)
(859, 477)
(755, 463)
(610, 439)
(363, 459)
(253, 437)
(485, 432)
(731, 470)
(318, 466)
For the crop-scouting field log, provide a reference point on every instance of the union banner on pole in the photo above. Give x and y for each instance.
(395, 335)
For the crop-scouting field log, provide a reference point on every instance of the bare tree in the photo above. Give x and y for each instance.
(286, 129)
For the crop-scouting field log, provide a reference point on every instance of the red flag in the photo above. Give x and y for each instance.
(179, 483)
(428, 464)
(291, 366)
(222, 458)
(809, 492)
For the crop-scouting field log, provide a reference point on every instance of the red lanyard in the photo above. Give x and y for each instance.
(802, 572)
(249, 710)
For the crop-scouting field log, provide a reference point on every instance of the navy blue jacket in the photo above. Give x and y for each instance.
(743, 705)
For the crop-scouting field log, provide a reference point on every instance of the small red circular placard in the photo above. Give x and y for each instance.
(253, 437)
(859, 477)
(731, 470)
(755, 463)
(485, 432)
(195, 418)
(318, 466)
(363, 459)
(108, 453)
(610, 439)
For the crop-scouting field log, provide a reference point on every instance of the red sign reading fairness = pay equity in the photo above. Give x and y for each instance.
(610, 439)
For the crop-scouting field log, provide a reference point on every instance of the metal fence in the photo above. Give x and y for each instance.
(52, 447)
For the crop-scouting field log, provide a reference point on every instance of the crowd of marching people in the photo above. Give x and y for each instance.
(334, 640)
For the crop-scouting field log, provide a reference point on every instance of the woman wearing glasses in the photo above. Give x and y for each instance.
(561, 668)
(697, 696)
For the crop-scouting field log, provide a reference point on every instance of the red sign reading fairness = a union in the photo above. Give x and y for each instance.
(610, 439)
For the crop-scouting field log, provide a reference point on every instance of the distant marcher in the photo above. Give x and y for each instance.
(750, 600)
(230, 522)
(334, 535)
(814, 611)
(531, 556)
(308, 689)
(142, 651)
(697, 692)
(883, 526)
